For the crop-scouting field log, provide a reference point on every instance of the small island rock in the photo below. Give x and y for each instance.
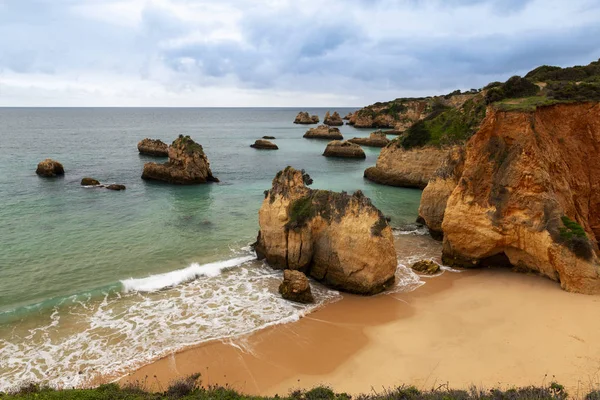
(426, 267)
(295, 287)
(49, 168)
(264, 145)
(187, 164)
(89, 182)
(153, 147)
(115, 186)
(323, 132)
(344, 149)
(333, 119)
(268, 137)
(375, 139)
(305, 119)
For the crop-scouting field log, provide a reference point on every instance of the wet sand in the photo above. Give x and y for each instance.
(489, 328)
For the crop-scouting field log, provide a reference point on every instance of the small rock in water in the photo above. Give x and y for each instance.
(49, 168)
(295, 287)
(426, 267)
(269, 137)
(115, 187)
(264, 145)
(89, 182)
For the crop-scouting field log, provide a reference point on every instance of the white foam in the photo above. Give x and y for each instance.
(174, 278)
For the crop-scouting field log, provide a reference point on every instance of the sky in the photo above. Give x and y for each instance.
(278, 53)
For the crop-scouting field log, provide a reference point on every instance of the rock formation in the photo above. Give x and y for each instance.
(528, 195)
(344, 149)
(153, 147)
(187, 164)
(324, 132)
(115, 186)
(340, 240)
(348, 116)
(268, 137)
(89, 182)
(375, 139)
(333, 119)
(426, 267)
(49, 168)
(406, 168)
(295, 287)
(305, 119)
(264, 145)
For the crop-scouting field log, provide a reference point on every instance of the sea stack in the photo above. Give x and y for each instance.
(338, 239)
(333, 119)
(49, 168)
(153, 147)
(525, 195)
(375, 139)
(344, 149)
(323, 132)
(187, 164)
(264, 145)
(305, 119)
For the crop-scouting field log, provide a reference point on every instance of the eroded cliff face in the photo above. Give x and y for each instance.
(528, 195)
(406, 168)
(339, 239)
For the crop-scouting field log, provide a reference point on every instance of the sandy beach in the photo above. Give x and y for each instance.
(489, 328)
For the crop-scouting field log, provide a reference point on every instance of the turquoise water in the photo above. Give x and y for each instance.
(83, 264)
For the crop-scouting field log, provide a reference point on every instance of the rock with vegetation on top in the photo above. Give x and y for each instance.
(49, 168)
(426, 267)
(153, 147)
(187, 164)
(305, 119)
(375, 139)
(344, 149)
(338, 239)
(264, 144)
(115, 186)
(527, 195)
(324, 132)
(333, 119)
(89, 182)
(268, 137)
(295, 287)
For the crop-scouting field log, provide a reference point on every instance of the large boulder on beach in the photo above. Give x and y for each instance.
(343, 149)
(153, 147)
(264, 145)
(333, 119)
(187, 164)
(375, 139)
(338, 239)
(305, 119)
(295, 287)
(49, 168)
(323, 132)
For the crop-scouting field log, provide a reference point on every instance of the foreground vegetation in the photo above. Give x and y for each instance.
(191, 388)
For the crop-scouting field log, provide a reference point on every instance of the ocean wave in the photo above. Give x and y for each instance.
(174, 278)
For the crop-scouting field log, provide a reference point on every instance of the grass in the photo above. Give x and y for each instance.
(192, 389)
(525, 103)
(573, 236)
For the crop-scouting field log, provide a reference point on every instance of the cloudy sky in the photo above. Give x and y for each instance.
(278, 52)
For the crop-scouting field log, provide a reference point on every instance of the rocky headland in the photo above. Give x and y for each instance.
(333, 119)
(338, 239)
(263, 144)
(153, 147)
(304, 118)
(526, 194)
(344, 149)
(187, 164)
(49, 168)
(323, 132)
(375, 139)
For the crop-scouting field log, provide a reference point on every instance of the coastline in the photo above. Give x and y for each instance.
(489, 328)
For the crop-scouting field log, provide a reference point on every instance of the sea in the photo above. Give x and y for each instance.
(95, 283)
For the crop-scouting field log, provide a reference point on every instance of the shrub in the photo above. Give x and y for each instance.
(574, 237)
(183, 387)
(584, 91)
(416, 136)
(514, 87)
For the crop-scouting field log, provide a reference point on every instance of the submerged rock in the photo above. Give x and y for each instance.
(187, 164)
(49, 168)
(153, 147)
(115, 186)
(323, 132)
(333, 119)
(375, 139)
(89, 182)
(264, 144)
(268, 137)
(295, 287)
(344, 149)
(527, 196)
(338, 239)
(305, 119)
(426, 267)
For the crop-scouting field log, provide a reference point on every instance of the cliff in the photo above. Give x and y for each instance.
(338, 239)
(527, 195)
